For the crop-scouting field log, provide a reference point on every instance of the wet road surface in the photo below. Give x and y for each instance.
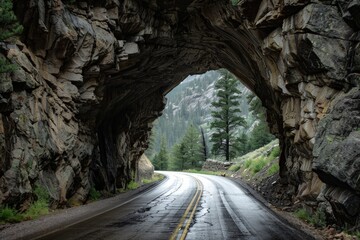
(186, 206)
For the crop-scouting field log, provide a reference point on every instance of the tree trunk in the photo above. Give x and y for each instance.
(203, 144)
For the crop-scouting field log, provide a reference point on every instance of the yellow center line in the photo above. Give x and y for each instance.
(193, 205)
(200, 190)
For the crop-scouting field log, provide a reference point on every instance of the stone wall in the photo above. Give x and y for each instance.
(93, 75)
(216, 166)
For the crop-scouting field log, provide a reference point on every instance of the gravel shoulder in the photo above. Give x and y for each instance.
(63, 218)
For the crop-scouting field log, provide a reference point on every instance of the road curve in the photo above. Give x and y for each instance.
(186, 206)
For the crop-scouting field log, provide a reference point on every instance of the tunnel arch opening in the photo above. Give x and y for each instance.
(190, 104)
(280, 62)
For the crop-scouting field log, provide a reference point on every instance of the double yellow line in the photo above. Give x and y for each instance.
(186, 219)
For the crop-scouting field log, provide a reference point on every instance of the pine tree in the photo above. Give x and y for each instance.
(155, 161)
(160, 160)
(187, 154)
(178, 160)
(226, 116)
(192, 147)
(260, 135)
(9, 27)
(242, 144)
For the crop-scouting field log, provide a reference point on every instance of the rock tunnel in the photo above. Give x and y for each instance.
(92, 78)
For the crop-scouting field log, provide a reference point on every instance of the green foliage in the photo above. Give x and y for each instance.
(260, 135)
(258, 164)
(41, 193)
(275, 152)
(273, 169)
(316, 219)
(235, 167)
(6, 66)
(38, 208)
(160, 160)
(302, 214)
(226, 116)
(247, 163)
(9, 25)
(235, 2)
(356, 234)
(132, 185)
(177, 115)
(8, 214)
(94, 194)
(155, 178)
(188, 153)
(242, 144)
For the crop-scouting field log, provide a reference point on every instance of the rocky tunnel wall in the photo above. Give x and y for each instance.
(93, 74)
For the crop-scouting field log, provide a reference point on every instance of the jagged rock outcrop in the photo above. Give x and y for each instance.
(94, 73)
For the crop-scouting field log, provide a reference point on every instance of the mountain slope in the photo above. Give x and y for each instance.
(190, 103)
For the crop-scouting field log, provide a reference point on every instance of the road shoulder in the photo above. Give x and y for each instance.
(284, 216)
(63, 218)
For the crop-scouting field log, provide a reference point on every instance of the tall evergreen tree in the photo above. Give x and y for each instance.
(160, 160)
(178, 160)
(242, 145)
(188, 153)
(260, 135)
(226, 116)
(192, 145)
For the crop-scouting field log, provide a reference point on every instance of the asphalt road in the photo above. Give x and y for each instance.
(186, 206)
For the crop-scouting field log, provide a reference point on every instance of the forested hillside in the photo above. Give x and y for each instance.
(190, 103)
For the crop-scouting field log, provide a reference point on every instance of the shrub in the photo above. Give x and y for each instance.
(317, 219)
(9, 27)
(258, 164)
(274, 153)
(303, 215)
(155, 178)
(247, 163)
(38, 208)
(41, 193)
(273, 169)
(8, 214)
(94, 194)
(132, 185)
(234, 168)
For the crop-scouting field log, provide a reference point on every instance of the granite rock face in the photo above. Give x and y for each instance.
(145, 169)
(93, 76)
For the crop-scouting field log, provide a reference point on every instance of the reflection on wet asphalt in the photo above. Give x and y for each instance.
(225, 211)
